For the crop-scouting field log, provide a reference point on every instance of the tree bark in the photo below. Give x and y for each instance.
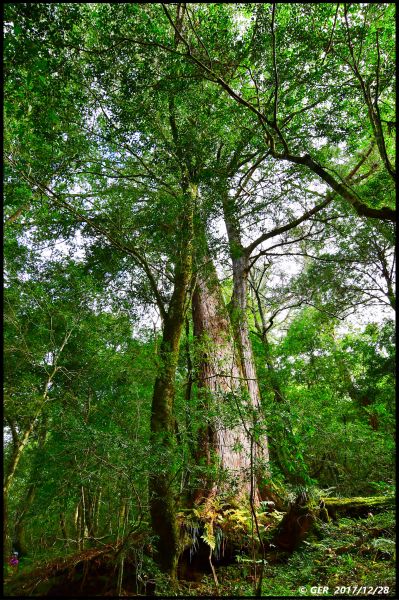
(219, 382)
(96, 511)
(78, 525)
(240, 261)
(161, 484)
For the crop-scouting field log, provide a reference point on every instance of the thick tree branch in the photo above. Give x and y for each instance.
(384, 213)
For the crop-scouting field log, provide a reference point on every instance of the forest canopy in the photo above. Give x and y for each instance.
(199, 276)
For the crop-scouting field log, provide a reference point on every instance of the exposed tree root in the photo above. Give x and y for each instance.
(90, 572)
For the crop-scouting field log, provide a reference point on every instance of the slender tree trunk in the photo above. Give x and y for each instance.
(18, 449)
(161, 484)
(63, 528)
(6, 538)
(88, 505)
(240, 323)
(84, 516)
(19, 444)
(240, 262)
(121, 520)
(96, 511)
(79, 525)
(19, 530)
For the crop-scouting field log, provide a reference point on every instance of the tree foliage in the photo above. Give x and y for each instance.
(198, 200)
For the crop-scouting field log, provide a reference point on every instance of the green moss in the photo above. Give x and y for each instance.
(357, 506)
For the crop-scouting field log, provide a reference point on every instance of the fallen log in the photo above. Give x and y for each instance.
(358, 506)
(302, 515)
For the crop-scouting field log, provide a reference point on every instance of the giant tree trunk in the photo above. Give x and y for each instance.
(219, 383)
(161, 483)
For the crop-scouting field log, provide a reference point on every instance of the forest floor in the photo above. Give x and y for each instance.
(346, 557)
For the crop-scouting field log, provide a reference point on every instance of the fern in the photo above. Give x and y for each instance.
(208, 536)
(385, 545)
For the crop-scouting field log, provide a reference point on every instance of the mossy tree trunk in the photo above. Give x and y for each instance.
(357, 506)
(161, 482)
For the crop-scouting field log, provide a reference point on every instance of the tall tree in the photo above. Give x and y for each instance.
(132, 132)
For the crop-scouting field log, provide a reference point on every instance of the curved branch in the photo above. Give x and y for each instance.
(277, 230)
